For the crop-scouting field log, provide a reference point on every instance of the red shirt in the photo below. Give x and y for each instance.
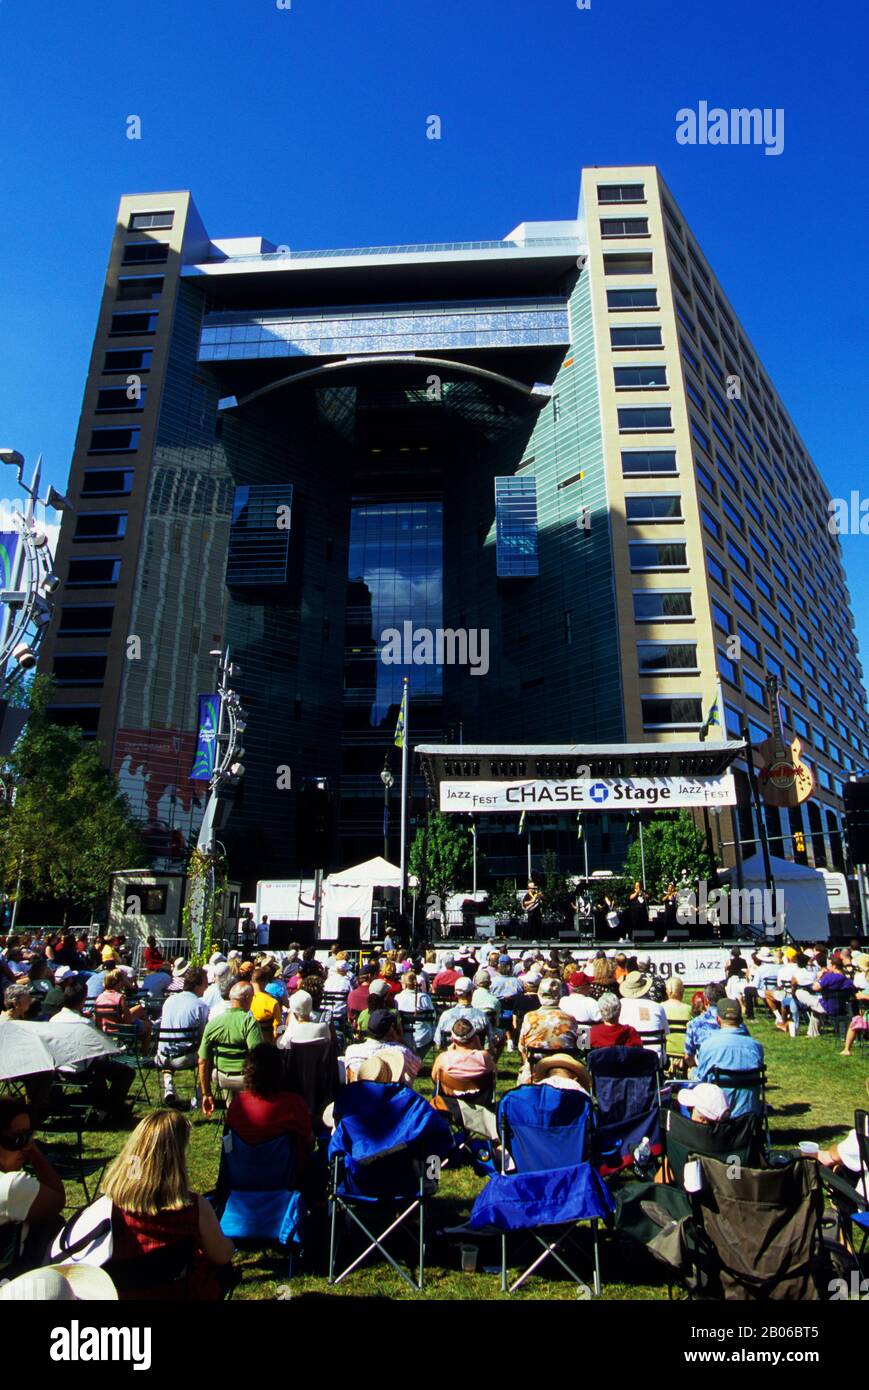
(394, 987)
(447, 979)
(153, 958)
(614, 1035)
(258, 1118)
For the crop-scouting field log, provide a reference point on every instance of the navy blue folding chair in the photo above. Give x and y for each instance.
(627, 1091)
(257, 1195)
(385, 1155)
(547, 1188)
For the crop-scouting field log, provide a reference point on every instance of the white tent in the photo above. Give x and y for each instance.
(803, 892)
(349, 893)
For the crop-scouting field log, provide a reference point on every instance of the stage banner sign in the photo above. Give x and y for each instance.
(206, 739)
(696, 965)
(588, 794)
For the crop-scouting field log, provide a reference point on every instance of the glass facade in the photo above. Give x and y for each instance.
(516, 527)
(259, 536)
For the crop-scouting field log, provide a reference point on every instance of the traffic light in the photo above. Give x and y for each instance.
(857, 819)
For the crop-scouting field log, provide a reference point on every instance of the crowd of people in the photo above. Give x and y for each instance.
(272, 1039)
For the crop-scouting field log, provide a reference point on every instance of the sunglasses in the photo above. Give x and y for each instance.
(13, 1142)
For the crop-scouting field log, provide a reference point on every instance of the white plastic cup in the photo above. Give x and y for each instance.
(469, 1257)
(809, 1149)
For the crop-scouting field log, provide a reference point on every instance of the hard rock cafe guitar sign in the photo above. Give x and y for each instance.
(784, 779)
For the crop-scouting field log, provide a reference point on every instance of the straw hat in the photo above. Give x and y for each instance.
(635, 985)
(567, 1063)
(61, 1284)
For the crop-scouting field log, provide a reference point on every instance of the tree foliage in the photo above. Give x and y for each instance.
(69, 825)
(673, 848)
(448, 858)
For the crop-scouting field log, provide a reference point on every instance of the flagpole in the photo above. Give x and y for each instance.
(722, 719)
(405, 700)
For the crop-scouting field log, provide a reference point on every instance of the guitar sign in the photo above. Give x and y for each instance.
(784, 779)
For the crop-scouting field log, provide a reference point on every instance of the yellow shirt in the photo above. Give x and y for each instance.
(267, 1012)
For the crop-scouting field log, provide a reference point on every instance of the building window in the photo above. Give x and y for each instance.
(93, 574)
(117, 398)
(114, 441)
(150, 221)
(621, 193)
(662, 605)
(140, 287)
(259, 536)
(657, 555)
(78, 619)
(766, 622)
(749, 642)
(516, 528)
(648, 461)
(632, 299)
(721, 617)
(644, 418)
(132, 325)
(627, 264)
(710, 523)
(742, 597)
(667, 658)
(624, 226)
(640, 378)
(716, 570)
(657, 506)
(754, 689)
(127, 360)
(85, 717)
(700, 435)
(727, 668)
(107, 482)
(678, 712)
(635, 337)
(80, 668)
(100, 526)
(739, 557)
(145, 253)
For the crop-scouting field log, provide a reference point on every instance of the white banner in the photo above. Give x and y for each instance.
(696, 965)
(588, 794)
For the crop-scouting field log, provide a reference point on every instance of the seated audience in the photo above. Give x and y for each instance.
(384, 1031)
(30, 1203)
(609, 1032)
(154, 1208)
(463, 1009)
(19, 1000)
(224, 1041)
(564, 1072)
(300, 1027)
(547, 1029)
(639, 1010)
(447, 977)
(265, 1109)
(467, 1067)
(707, 1103)
(111, 1008)
(264, 1007)
(153, 958)
(731, 1047)
(108, 1081)
(414, 1001)
(679, 1013)
(187, 1010)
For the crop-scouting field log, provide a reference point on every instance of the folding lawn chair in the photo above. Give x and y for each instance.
(850, 1197)
(258, 1197)
(627, 1091)
(752, 1080)
(177, 1049)
(130, 1051)
(551, 1188)
(385, 1155)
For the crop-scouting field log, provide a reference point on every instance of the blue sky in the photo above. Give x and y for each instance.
(308, 125)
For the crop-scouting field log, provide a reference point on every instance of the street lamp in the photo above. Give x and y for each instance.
(388, 781)
(30, 577)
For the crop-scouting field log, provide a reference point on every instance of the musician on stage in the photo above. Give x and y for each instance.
(532, 906)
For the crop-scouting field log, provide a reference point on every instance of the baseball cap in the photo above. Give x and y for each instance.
(378, 987)
(731, 1009)
(63, 972)
(463, 986)
(708, 1100)
(380, 1022)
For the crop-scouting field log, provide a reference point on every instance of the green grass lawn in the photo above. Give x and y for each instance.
(812, 1093)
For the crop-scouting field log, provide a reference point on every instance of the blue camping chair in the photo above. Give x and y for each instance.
(627, 1091)
(385, 1154)
(257, 1193)
(551, 1187)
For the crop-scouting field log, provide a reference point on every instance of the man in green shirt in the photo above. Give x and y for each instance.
(226, 1041)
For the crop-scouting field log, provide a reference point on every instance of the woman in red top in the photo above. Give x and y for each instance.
(390, 975)
(266, 1108)
(153, 956)
(156, 1215)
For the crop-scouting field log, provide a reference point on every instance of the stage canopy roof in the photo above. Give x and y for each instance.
(507, 762)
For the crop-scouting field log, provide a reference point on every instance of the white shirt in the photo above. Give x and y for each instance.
(69, 1018)
(646, 1016)
(18, 1192)
(581, 1007)
(302, 1030)
(849, 1152)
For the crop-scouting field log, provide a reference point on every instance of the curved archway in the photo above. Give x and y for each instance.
(535, 392)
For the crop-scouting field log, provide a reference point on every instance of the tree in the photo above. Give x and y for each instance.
(672, 846)
(448, 856)
(69, 825)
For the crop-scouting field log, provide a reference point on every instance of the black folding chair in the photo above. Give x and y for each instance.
(749, 1080)
(131, 1052)
(177, 1049)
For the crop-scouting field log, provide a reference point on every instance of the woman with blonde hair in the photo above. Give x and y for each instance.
(678, 1016)
(154, 1211)
(603, 977)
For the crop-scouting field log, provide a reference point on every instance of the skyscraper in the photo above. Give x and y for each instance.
(562, 439)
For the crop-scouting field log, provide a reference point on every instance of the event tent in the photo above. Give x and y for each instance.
(803, 890)
(350, 892)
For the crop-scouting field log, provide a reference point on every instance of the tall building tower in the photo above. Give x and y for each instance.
(561, 440)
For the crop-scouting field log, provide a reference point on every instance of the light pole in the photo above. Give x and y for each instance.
(388, 781)
(29, 580)
(226, 774)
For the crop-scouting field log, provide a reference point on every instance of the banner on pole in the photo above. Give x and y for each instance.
(206, 739)
(588, 794)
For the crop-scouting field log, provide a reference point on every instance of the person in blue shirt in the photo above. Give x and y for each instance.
(700, 1027)
(732, 1048)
